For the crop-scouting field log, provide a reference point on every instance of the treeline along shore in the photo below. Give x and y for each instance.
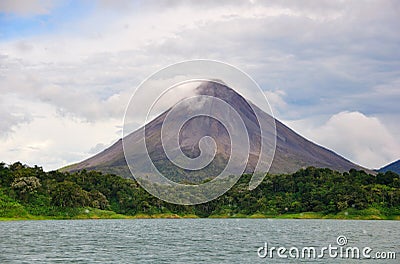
(31, 193)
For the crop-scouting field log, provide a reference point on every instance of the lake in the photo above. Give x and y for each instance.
(196, 241)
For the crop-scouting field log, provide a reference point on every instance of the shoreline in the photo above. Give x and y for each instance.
(97, 214)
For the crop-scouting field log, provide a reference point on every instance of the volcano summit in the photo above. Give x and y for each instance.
(292, 151)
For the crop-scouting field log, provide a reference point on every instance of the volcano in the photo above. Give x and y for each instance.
(292, 151)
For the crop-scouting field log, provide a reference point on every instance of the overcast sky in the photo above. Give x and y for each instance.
(330, 69)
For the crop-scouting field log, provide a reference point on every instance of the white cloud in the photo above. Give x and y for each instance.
(360, 138)
(11, 117)
(52, 141)
(276, 100)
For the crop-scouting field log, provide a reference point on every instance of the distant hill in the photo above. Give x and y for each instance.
(394, 166)
(293, 151)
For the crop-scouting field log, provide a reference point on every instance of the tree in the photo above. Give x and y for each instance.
(98, 200)
(69, 194)
(24, 186)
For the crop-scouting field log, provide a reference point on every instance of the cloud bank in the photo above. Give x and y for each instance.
(324, 63)
(364, 140)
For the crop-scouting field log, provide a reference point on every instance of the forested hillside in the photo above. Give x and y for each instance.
(29, 192)
(394, 167)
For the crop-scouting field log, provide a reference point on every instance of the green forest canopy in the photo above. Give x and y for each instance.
(30, 190)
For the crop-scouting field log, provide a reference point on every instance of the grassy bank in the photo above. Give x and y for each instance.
(351, 214)
(93, 213)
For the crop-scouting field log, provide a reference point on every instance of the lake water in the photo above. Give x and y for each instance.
(191, 240)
